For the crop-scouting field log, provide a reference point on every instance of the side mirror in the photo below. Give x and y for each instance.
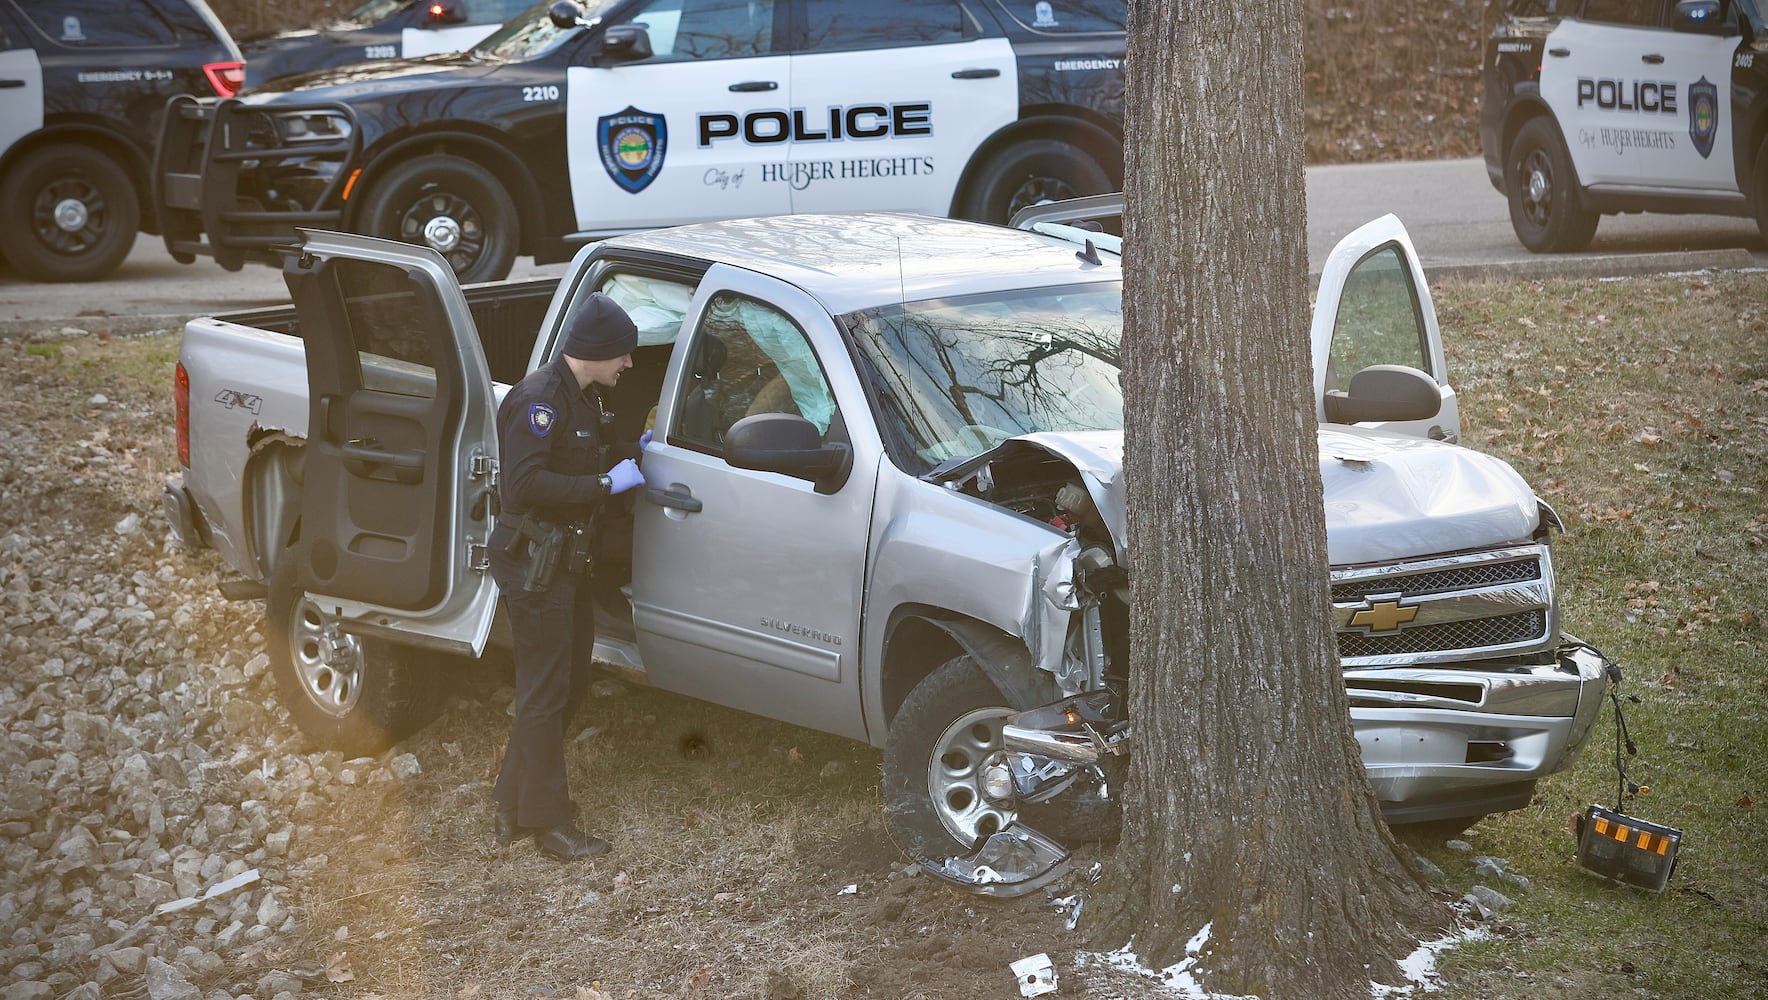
(565, 14)
(1699, 17)
(445, 12)
(789, 445)
(626, 42)
(1385, 392)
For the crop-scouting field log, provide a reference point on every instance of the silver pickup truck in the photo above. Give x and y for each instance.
(885, 500)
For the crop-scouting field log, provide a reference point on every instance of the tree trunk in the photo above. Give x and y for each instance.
(1246, 812)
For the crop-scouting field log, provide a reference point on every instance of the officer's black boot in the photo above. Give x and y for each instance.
(503, 821)
(567, 843)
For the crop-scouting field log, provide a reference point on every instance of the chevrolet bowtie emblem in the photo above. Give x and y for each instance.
(1384, 616)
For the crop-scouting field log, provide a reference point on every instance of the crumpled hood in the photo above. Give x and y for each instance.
(1388, 496)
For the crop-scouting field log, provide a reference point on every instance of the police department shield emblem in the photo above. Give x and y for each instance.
(1703, 115)
(632, 144)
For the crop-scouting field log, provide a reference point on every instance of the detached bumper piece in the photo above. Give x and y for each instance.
(1630, 851)
(1009, 863)
(247, 175)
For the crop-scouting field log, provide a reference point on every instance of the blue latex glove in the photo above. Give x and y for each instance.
(644, 440)
(625, 476)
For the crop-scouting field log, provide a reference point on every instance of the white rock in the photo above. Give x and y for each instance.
(406, 766)
(165, 982)
(129, 525)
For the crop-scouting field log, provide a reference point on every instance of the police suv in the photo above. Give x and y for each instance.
(379, 29)
(573, 123)
(82, 87)
(1594, 107)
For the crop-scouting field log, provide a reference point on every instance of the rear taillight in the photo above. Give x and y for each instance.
(181, 413)
(225, 77)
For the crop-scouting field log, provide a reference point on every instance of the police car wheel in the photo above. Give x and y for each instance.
(347, 693)
(71, 214)
(1546, 207)
(452, 205)
(1031, 173)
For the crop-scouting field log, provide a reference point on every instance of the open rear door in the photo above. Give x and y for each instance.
(396, 502)
(1374, 308)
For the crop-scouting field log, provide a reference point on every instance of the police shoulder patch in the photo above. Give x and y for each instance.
(541, 419)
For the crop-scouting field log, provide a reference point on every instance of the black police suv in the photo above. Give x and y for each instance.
(1594, 107)
(573, 123)
(379, 29)
(83, 84)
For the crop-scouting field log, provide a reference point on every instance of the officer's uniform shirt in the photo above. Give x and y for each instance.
(550, 435)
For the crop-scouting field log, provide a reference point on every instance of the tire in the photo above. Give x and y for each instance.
(1546, 204)
(358, 704)
(455, 207)
(71, 214)
(947, 730)
(1030, 173)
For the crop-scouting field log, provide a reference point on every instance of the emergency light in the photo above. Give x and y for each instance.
(1631, 851)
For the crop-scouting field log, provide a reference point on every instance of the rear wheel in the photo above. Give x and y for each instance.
(347, 693)
(1546, 206)
(1031, 173)
(452, 206)
(71, 214)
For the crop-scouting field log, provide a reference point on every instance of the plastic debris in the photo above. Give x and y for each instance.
(1036, 975)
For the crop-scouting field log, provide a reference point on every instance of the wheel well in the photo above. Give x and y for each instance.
(517, 181)
(913, 648)
(120, 151)
(1520, 115)
(1092, 135)
(270, 496)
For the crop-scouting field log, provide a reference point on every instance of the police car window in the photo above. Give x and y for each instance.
(1378, 320)
(682, 30)
(387, 327)
(859, 24)
(97, 24)
(1065, 17)
(951, 378)
(747, 358)
(1628, 12)
(376, 11)
(533, 33)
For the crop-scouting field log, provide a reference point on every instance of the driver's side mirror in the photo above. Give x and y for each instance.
(1385, 392)
(446, 12)
(789, 445)
(626, 43)
(1699, 17)
(565, 14)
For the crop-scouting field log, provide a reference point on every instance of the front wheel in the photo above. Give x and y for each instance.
(71, 214)
(451, 205)
(346, 692)
(946, 785)
(1546, 206)
(1031, 173)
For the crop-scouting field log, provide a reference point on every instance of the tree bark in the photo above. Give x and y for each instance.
(1247, 811)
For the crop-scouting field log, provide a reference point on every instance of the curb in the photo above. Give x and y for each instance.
(1594, 266)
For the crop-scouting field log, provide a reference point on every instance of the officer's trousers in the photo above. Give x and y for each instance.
(553, 630)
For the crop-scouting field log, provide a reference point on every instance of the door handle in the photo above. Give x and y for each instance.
(1653, 58)
(673, 500)
(1561, 53)
(365, 457)
(976, 74)
(754, 86)
(11, 84)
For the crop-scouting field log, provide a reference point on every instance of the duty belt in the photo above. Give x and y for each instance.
(555, 546)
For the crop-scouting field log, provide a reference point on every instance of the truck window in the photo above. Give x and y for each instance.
(867, 24)
(387, 328)
(683, 30)
(1378, 320)
(747, 358)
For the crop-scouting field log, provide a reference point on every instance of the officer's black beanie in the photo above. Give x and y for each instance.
(598, 330)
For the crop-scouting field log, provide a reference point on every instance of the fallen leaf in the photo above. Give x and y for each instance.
(1745, 802)
(338, 969)
(343, 934)
(469, 991)
(794, 757)
(592, 992)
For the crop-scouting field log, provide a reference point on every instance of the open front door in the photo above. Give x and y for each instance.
(400, 458)
(1374, 308)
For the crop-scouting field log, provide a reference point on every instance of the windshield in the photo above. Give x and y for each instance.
(532, 33)
(375, 11)
(952, 378)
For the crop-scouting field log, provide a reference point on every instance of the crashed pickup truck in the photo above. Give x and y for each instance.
(884, 499)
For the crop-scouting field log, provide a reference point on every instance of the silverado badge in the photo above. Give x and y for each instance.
(1384, 616)
(632, 144)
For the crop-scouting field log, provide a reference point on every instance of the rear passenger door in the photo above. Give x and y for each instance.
(895, 98)
(21, 89)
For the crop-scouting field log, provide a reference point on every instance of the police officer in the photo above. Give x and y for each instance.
(556, 471)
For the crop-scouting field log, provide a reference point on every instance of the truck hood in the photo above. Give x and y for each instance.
(1388, 496)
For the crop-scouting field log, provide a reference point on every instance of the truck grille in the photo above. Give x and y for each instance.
(1498, 602)
(1494, 574)
(1502, 631)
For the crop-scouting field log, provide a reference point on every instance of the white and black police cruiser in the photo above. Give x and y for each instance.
(82, 87)
(379, 29)
(574, 123)
(1594, 107)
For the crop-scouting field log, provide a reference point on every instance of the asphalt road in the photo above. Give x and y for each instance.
(1457, 221)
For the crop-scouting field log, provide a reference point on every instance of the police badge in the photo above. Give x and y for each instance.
(632, 144)
(1703, 115)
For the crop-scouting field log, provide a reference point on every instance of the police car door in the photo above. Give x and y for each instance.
(21, 91)
(1610, 104)
(889, 102)
(1698, 65)
(1374, 308)
(683, 134)
(401, 440)
(747, 585)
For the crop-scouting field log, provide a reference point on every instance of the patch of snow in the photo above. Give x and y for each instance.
(1175, 980)
(1419, 968)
